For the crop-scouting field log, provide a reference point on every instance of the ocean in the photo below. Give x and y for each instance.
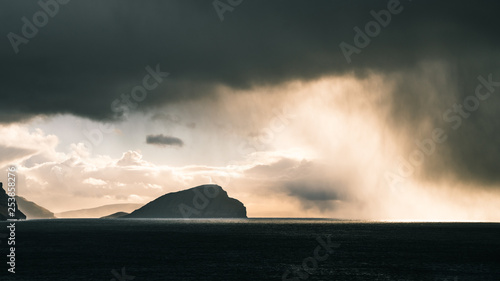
(250, 249)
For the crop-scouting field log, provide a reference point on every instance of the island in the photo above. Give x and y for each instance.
(204, 201)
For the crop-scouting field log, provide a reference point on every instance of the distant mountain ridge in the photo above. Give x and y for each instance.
(115, 215)
(99, 212)
(33, 210)
(204, 201)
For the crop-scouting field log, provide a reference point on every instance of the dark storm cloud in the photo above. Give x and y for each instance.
(162, 140)
(90, 52)
(93, 51)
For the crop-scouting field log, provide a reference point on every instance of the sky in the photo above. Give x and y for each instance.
(372, 110)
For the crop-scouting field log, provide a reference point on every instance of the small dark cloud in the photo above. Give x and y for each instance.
(162, 140)
(305, 181)
(315, 193)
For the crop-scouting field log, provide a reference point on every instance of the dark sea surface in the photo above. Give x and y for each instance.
(252, 249)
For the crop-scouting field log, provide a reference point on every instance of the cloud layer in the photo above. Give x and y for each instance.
(76, 63)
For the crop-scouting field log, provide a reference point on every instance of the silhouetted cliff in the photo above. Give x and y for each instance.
(4, 212)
